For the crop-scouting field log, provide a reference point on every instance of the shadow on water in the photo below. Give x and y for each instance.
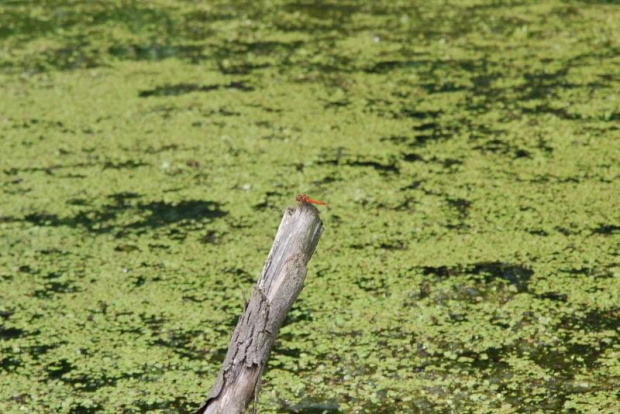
(142, 215)
(156, 52)
(184, 88)
(607, 229)
(312, 406)
(10, 333)
(487, 272)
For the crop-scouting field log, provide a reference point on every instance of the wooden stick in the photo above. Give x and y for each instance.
(279, 285)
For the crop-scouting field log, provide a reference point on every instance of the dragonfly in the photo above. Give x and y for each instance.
(318, 191)
(301, 199)
(304, 198)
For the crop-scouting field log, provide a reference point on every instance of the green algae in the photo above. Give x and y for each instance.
(468, 151)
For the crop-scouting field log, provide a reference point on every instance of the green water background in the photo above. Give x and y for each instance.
(469, 152)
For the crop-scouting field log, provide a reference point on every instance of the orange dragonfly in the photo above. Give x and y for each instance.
(304, 198)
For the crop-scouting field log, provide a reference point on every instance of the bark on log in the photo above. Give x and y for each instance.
(279, 285)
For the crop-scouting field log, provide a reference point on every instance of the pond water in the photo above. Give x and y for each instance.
(468, 150)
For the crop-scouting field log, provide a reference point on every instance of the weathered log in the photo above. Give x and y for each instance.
(280, 283)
